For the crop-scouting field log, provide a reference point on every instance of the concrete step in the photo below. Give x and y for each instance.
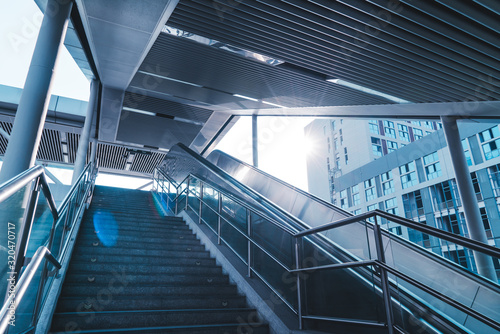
(161, 279)
(148, 318)
(118, 303)
(96, 268)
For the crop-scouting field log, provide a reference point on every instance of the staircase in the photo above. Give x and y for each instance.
(134, 271)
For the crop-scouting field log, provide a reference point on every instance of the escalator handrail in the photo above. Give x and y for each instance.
(246, 191)
(448, 236)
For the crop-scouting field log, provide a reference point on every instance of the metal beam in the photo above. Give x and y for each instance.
(464, 110)
(255, 142)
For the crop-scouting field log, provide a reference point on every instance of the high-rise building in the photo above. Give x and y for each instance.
(405, 168)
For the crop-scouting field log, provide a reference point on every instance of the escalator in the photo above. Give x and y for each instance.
(345, 288)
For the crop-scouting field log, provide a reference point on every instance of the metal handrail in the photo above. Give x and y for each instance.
(379, 263)
(240, 202)
(245, 190)
(16, 183)
(8, 189)
(23, 283)
(457, 239)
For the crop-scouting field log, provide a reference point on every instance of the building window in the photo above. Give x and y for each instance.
(450, 223)
(355, 195)
(486, 223)
(494, 173)
(373, 125)
(371, 208)
(343, 199)
(391, 146)
(416, 123)
(356, 212)
(370, 191)
(396, 230)
(387, 183)
(465, 145)
(445, 195)
(413, 204)
(457, 256)
(490, 142)
(341, 137)
(389, 129)
(408, 175)
(336, 144)
(428, 125)
(431, 166)
(391, 206)
(404, 135)
(333, 125)
(377, 147)
(417, 134)
(475, 184)
(346, 156)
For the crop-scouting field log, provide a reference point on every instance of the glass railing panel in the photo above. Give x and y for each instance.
(172, 193)
(282, 282)
(273, 239)
(41, 226)
(211, 197)
(234, 226)
(343, 293)
(194, 194)
(209, 216)
(11, 217)
(235, 213)
(360, 247)
(26, 307)
(445, 276)
(413, 319)
(57, 242)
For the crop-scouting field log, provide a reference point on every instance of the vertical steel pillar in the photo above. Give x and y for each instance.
(468, 195)
(255, 142)
(32, 110)
(83, 143)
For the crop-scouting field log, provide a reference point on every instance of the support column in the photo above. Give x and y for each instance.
(467, 194)
(93, 150)
(83, 143)
(255, 142)
(30, 117)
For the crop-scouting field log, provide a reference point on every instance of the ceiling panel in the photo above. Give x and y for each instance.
(421, 51)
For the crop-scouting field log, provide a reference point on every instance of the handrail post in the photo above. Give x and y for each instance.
(384, 280)
(201, 202)
(299, 288)
(176, 201)
(187, 194)
(219, 219)
(249, 243)
(24, 232)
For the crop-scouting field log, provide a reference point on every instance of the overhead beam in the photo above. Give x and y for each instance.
(463, 110)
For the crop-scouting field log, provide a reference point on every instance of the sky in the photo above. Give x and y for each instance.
(20, 22)
(282, 146)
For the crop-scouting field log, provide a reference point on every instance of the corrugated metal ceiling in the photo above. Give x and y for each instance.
(421, 51)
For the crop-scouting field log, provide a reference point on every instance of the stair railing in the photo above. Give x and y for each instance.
(189, 195)
(21, 210)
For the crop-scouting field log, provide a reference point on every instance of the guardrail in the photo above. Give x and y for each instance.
(22, 211)
(180, 196)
